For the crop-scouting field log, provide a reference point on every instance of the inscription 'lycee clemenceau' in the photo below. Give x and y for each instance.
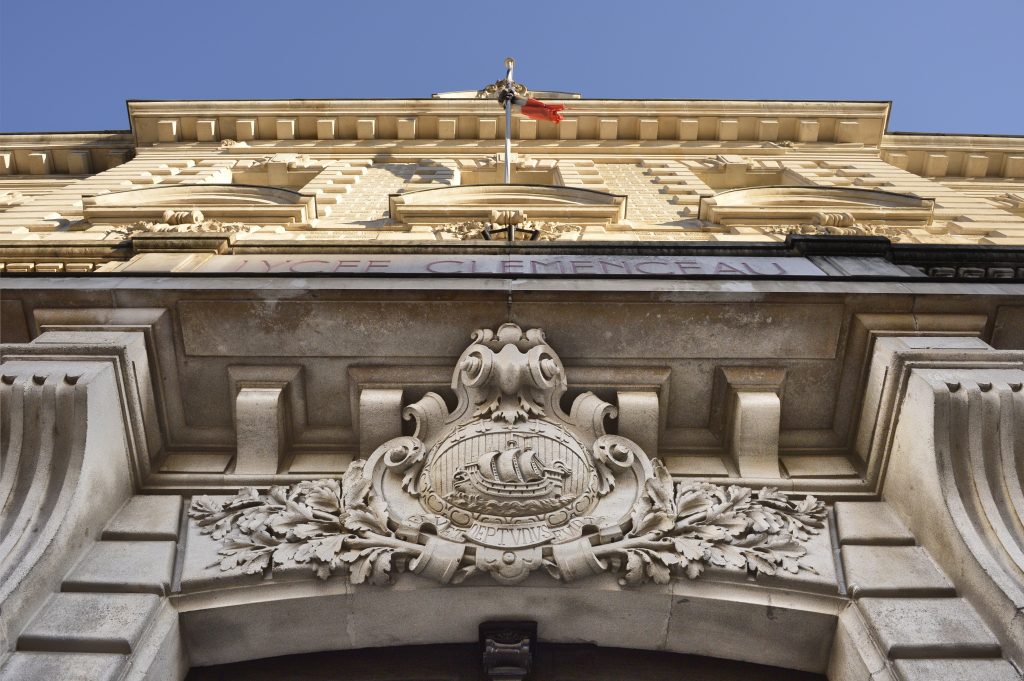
(455, 265)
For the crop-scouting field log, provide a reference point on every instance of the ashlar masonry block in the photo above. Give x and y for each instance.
(325, 128)
(40, 163)
(687, 129)
(285, 128)
(1013, 166)
(728, 129)
(79, 162)
(975, 165)
(117, 157)
(446, 128)
(487, 128)
(90, 623)
(975, 670)
(847, 131)
(366, 128)
(928, 627)
(870, 523)
(899, 159)
(206, 130)
(146, 517)
(124, 567)
(807, 130)
(567, 129)
(647, 129)
(167, 130)
(527, 129)
(893, 571)
(935, 165)
(245, 129)
(406, 128)
(30, 666)
(768, 129)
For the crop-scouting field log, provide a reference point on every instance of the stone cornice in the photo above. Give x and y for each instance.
(956, 155)
(63, 153)
(463, 119)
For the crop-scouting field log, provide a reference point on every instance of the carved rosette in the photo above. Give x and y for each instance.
(507, 483)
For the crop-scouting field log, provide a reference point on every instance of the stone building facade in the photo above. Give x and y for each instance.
(729, 388)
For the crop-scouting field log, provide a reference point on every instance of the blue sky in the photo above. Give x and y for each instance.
(948, 66)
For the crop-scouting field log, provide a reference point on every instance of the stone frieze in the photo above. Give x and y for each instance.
(508, 483)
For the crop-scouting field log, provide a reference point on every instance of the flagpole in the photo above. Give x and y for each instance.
(508, 141)
(510, 93)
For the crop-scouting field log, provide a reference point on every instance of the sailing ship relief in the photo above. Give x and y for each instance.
(511, 481)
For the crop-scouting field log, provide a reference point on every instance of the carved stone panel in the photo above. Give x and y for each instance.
(507, 483)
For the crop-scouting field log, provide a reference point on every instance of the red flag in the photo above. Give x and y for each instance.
(538, 110)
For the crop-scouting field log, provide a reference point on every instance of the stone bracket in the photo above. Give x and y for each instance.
(639, 418)
(746, 412)
(380, 417)
(269, 412)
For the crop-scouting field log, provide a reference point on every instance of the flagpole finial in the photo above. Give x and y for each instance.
(509, 62)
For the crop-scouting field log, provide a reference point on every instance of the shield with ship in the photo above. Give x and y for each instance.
(531, 472)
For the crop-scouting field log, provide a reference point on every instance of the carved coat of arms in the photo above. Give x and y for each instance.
(507, 483)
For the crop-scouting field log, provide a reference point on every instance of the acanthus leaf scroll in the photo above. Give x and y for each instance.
(507, 483)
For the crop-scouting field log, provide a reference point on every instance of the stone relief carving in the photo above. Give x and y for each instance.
(511, 225)
(181, 221)
(1013, 202)
(491, 91)
(838, 224)
(505, 484)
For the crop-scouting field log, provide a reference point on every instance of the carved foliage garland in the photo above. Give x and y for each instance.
(181, 222)
(505, 484)
(680, 529)
(324, 523)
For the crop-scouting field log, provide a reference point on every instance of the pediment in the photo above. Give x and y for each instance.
(224, 202)
(476, 202)
(801, 204)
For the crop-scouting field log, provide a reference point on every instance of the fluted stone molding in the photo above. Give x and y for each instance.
(955, 475)
(73, 425)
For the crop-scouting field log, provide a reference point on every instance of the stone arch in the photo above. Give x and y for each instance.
(223, 202)
(794, 629)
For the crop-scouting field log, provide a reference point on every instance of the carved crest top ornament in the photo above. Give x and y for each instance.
(507, 483)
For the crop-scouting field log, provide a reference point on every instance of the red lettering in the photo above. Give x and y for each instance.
(293, 267)
(640, 267)
(606, 267)
(432, 266)
(726, 268)
(688, 267)
(778, 268)
(537, 266)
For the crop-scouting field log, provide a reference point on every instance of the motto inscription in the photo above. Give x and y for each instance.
(507, 483)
